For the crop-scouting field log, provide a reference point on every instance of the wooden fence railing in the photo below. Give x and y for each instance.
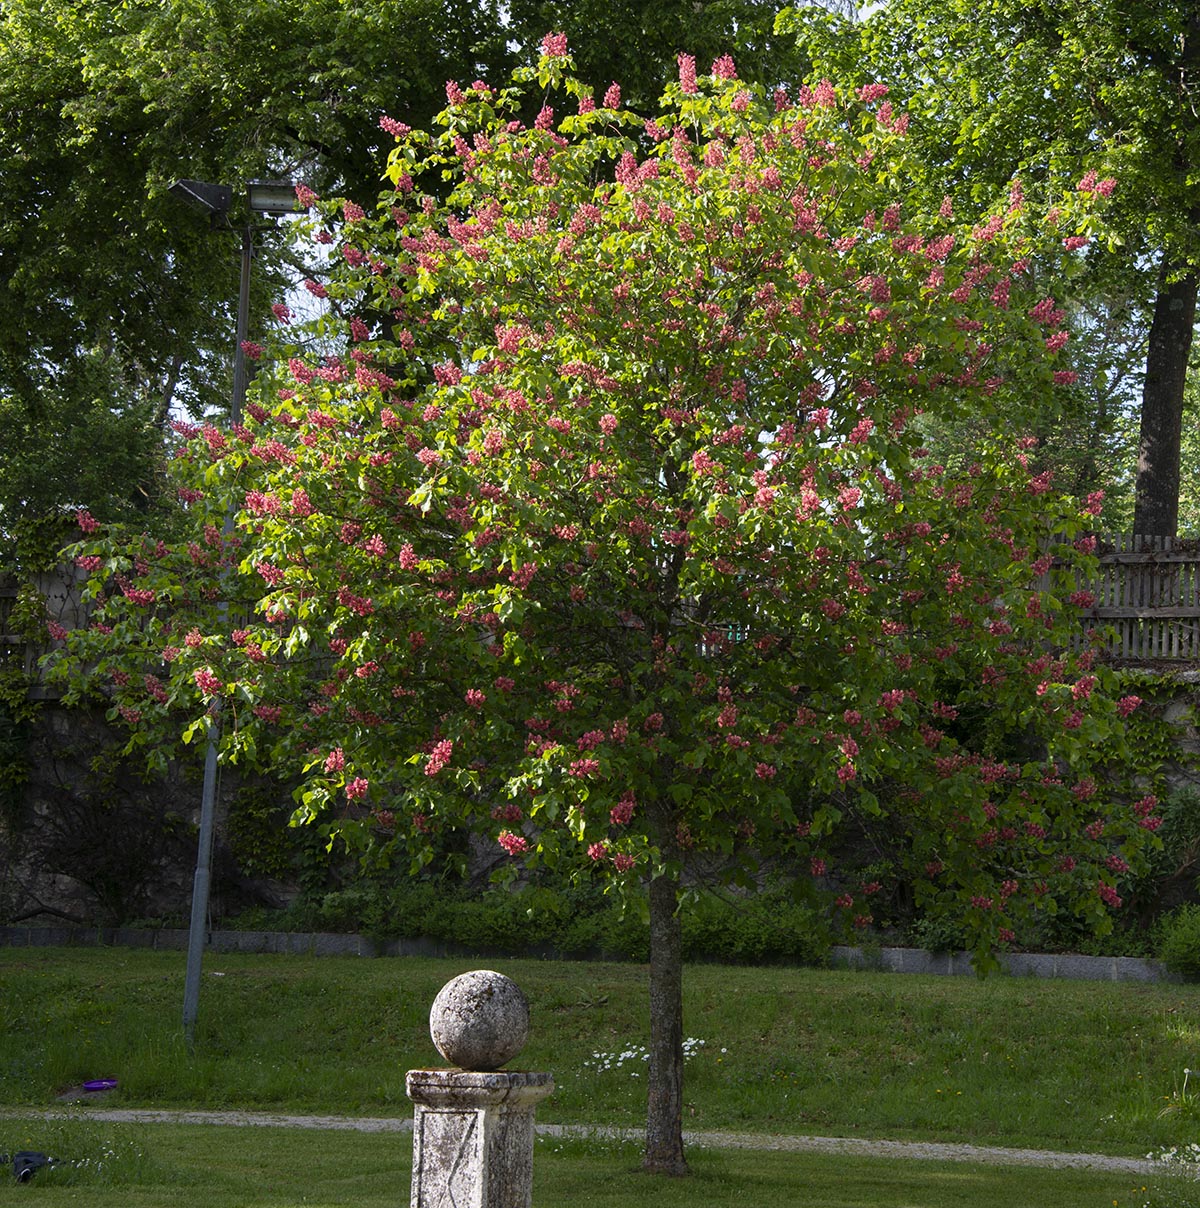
(1148, 595)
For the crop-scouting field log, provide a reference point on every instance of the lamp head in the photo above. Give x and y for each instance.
(272, 197)
(213, 200)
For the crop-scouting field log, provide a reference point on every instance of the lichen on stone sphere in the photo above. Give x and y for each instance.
(479, 1020)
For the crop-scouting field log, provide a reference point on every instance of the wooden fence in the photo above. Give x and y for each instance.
(1148, 597)
(61, 592)
(8, 597)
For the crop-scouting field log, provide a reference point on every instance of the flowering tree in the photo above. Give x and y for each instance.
(611, 528)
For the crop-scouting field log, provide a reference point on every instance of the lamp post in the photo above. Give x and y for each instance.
(266, 198)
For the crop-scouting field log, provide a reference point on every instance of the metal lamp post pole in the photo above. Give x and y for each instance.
(262, 197)
(197, 931)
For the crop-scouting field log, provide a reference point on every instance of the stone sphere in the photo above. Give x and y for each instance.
(479, 1020)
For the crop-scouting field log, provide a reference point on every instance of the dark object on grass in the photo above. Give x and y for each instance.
(96, 1085)
(25, 1162)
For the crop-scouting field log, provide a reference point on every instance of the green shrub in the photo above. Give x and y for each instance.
(758, 928)
(1179, 942)
(941, 934)
(624, 933)
(572, 922)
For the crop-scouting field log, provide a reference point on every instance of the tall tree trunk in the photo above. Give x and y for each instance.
(162, 412)
(664, 1109)
(1156, 507)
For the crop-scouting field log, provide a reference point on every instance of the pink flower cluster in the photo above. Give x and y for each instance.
(356, 604)
(272, 574)
(206, 681)
(439, 757)
(513, 844)
(622, 812)
(523, 575)
(1089, 184)
(687, 74)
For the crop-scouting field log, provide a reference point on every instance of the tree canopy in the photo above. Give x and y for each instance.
(608, 528)
(120, 306)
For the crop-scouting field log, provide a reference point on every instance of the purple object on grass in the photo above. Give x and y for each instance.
(100, 1084)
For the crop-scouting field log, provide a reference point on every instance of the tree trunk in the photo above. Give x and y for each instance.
(1156, 509)
(664, 1110)
(162, 413)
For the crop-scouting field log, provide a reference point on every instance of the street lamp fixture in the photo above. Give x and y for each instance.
(273, 197)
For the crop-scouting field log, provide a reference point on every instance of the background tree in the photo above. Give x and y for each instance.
(1189, 500)
(1043, 91)
(617, 539)
(635, 42)
(119, 305)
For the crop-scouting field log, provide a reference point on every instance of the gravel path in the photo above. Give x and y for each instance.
(849, 1146)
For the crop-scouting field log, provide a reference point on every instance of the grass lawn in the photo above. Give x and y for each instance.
(169, 1166)
(1050, 1064)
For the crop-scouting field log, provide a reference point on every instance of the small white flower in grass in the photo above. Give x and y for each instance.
(603, 1062)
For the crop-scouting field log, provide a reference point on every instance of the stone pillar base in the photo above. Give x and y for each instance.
(473, 1137)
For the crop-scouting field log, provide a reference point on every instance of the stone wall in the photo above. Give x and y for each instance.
(93, 839)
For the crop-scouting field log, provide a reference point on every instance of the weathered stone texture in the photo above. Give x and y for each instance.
(480, 1020)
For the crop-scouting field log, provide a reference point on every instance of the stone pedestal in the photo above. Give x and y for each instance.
(473, 1126)
(473, 1137)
